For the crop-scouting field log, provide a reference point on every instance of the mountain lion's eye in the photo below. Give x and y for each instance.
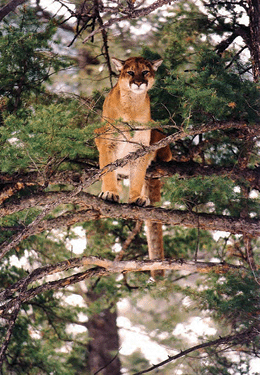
(131, 73)
(145, 72)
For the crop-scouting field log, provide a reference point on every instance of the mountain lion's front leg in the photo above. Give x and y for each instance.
(137, 178)
(109, 180)
(138, 170)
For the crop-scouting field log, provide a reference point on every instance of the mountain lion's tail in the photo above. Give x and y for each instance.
(153, 188)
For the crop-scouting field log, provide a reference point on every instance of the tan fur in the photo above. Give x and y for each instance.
(127, 106)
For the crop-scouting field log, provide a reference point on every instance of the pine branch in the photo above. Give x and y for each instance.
(93, 208)
(58, 177)
(187, 169)
(39, 200)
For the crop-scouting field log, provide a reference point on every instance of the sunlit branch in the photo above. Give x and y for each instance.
(102, 267)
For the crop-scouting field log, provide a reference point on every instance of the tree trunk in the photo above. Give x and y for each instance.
(254, 25)
(104, 344)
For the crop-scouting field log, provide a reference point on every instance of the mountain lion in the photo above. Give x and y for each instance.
(127, 107)
(127, 113)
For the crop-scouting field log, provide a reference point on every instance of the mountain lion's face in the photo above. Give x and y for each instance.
(136, 73)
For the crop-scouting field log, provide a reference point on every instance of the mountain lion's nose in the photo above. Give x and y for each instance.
(139, 83)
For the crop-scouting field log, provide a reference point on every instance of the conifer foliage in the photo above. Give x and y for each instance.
(206, 100)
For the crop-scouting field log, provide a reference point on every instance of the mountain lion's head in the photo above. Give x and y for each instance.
(136, 73)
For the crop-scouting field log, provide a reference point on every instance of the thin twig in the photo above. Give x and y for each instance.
(131, 236)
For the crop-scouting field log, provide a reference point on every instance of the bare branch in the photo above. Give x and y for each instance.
(238, 338)
(27, 295)
(10, 7)
(130, 14)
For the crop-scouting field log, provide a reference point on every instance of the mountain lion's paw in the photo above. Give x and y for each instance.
(107, 196)
(141, 202)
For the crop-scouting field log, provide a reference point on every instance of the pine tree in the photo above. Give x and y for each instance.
(207, 100)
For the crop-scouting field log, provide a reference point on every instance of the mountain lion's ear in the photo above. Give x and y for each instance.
(156, 64)
(118, 63)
